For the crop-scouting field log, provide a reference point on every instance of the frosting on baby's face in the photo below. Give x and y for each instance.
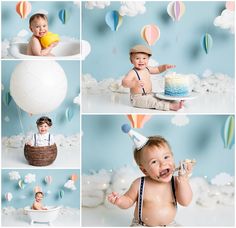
(158, 163)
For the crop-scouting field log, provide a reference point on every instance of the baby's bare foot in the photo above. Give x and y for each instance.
(175, 106)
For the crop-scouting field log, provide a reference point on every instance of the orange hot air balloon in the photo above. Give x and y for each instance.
(37, 189)
(23, 8)
(74, 177)
(138, 121)
(151, 34)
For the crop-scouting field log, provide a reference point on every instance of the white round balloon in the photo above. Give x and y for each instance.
(38, 86)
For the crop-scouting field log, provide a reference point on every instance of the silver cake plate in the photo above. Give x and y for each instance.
(191, 96)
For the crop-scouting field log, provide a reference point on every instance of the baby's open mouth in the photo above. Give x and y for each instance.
(164, 173)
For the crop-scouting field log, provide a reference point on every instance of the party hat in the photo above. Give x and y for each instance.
(138, 139)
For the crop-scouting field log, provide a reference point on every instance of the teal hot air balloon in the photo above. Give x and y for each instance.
(61, 193)
(63, 16)
(229, 132)
(113, 20)
(207, 42)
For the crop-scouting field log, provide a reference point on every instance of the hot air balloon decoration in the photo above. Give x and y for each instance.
(8, 196)
(138, 121)
(23, 8)
(229, 132)
(48, 179)
(151, 34)
(113, 20)
(176, 10)
(63, 16)
(207, 42)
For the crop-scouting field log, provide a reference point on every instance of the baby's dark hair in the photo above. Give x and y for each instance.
(44, 119)
(37, 15)
(157, 141)
(37, 193)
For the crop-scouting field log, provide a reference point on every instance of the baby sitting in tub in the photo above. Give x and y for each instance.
(43, 137)
(37, 205)
(38, 25)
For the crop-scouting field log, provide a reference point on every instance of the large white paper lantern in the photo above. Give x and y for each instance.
(38, 86)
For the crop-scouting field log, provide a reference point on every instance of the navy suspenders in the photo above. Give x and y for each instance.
(140, 200)
(48, 140)
(144, 93)
(140, 197)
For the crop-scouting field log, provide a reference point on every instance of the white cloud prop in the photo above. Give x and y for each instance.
(222, 179)
(6, 119)
(180, 120)
(70, 184)
(77, 3)
(14, 175)
(77, 100)
(131, 9)
(42, 11)
(22, 33)
(225, 20)
(29, 178)
(96, 4)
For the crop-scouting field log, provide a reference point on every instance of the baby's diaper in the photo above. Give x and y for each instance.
(48, 39)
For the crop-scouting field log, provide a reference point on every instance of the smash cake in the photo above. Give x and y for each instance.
(176, 85)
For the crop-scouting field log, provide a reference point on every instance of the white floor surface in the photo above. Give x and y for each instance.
(67, 157)
(119, 103)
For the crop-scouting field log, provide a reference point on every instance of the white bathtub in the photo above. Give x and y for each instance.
(42, 216)
(64, 50)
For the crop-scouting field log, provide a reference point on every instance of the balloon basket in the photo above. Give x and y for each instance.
(40, 155)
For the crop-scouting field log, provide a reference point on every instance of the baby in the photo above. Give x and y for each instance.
(139, 82)
(37, 205)
(38, 25)
(43, 137)
(157, 193)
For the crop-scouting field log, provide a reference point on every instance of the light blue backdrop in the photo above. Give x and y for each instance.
(12, 22)
(25, 197)
(179, 44)
(60, 123)
(106, 146)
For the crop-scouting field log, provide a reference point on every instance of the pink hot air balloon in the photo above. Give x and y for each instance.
(176, 10)
(23, 8)
(151, 34)
(37, 189)
(48, 179)
(8, 196)
(230, 5)
(138, 121)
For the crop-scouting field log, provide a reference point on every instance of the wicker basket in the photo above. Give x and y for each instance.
(40, 155)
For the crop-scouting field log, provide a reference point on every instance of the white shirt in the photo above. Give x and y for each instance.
(42, 139)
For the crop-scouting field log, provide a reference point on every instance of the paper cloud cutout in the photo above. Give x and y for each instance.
(29, 178)
(222, 179)
(180, 120)
(70, 184)
(96, 4)
(131, 9)
(14, 175)
(225, 20)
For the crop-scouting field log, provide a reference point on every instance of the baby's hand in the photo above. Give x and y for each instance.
(168, 66)
(186, 167)
(54, 44)
(113, 197)
(140, 83)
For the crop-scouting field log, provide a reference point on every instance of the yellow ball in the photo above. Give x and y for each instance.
(48, 39)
